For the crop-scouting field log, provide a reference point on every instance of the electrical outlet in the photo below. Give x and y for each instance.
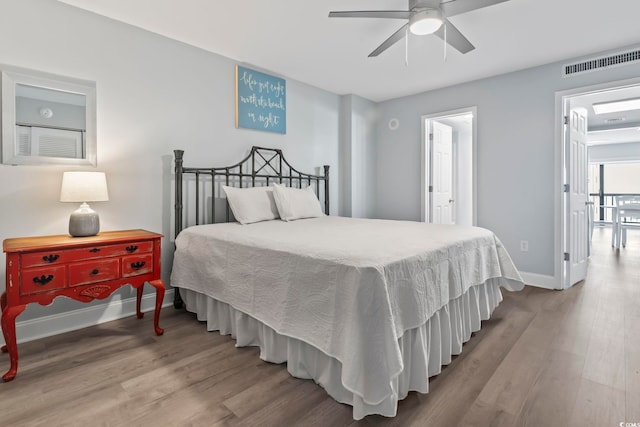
(524, 245)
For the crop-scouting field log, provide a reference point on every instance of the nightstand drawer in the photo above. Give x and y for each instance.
(136, 265)
(82, 273)
(35, 280)
(36, 259)
(103, 251)
(136, 248)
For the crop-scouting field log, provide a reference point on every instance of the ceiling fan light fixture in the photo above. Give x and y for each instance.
(425, 22)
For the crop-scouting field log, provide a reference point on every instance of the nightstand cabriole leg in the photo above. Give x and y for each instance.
(9, 315)
(3, 304)
(139, 290)
(159, 285)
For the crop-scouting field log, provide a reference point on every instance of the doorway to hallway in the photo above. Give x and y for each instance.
(449, 167)
(601, 120)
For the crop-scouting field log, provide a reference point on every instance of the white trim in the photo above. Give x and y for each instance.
(424, 161)
(54, 324)
(423, 170)
(614, 160)
(559, 200)
(540, 280)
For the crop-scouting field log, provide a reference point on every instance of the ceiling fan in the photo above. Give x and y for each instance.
(424, 17)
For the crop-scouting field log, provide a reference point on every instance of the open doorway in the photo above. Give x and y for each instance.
(448, 167)
(598, 121)
(614, 172)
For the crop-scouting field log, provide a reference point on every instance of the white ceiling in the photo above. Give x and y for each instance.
(610, 128)
(296, 39)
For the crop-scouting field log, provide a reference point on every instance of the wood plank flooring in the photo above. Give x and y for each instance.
(546, 358)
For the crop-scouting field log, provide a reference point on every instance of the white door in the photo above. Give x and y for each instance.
(442, 174)
(577, 221)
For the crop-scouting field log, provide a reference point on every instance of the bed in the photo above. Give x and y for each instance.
(368, 309)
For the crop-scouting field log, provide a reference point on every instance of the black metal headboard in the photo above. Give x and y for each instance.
(262, 166)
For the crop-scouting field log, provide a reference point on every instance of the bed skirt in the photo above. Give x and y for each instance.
(424, 349)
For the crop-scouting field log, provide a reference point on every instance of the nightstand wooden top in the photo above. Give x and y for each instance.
(24, 244)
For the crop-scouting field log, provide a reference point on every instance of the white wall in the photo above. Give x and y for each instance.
(613, 153)
(463, 143)
(153, 95)
(65, 115)
(515, 147)
(358, 156)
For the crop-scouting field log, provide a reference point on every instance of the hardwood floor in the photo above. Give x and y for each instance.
(546, 358)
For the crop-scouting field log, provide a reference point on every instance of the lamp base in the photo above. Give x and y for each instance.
(84, 222)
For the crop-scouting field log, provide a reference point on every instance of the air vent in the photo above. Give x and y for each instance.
(601, 62)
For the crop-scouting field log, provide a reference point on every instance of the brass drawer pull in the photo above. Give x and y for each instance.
(95, 271)
(42, 280)
(94, 250)
(50, 258)
(137, 265)
(132, 248)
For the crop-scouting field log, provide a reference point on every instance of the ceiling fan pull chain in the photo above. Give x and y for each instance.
(406, 47)
(445, 42)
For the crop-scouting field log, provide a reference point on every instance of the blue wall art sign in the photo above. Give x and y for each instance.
(261, 101)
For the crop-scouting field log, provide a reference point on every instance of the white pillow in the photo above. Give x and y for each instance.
(296, 203)
(252, 204)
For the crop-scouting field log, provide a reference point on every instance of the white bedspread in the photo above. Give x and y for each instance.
(349, 287)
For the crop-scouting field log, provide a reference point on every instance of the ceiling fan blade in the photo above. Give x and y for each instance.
(395, 37)
(393, 14)
(454, 37)
(431, 4)
(455, 7)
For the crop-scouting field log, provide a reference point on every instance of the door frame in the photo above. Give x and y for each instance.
(562, 99)
(425, 159)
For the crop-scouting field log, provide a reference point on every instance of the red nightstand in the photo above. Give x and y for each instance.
(40, 269)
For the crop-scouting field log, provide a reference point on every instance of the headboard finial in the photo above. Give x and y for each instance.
(326, 189)
(178, 205)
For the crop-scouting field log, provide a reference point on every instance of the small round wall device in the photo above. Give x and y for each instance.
(46, 113)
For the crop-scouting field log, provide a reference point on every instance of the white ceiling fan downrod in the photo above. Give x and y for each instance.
(406, 47)
(445, 41)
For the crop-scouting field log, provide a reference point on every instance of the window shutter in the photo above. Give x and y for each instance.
(49, 142)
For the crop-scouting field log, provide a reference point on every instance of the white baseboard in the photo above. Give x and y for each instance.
(54, 324)
(540, 280)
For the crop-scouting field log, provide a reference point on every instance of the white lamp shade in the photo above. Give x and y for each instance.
(81, 187)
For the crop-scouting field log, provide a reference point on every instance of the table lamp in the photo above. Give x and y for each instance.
(83, 187)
